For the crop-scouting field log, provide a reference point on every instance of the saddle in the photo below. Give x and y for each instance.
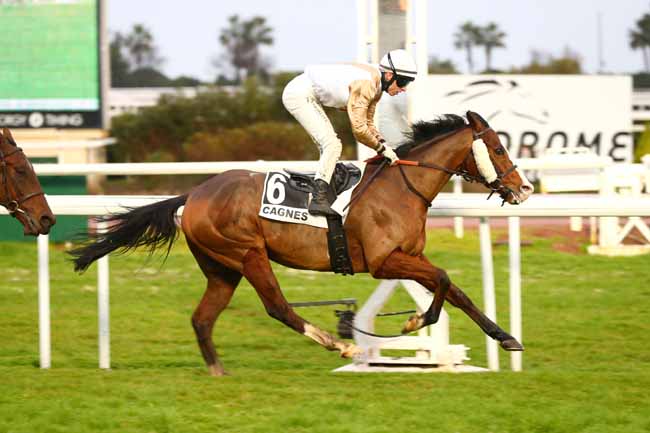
(345, 175)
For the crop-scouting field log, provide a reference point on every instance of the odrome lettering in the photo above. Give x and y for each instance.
(530, 144)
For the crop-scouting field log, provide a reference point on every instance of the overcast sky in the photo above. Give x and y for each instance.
(315, 31)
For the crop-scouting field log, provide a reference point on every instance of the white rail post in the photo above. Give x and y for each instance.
(458, 221)
(103, 308)
(44, 301)
(515, 288)
(488, 290)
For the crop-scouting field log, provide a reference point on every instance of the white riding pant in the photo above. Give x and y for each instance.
(301, 101)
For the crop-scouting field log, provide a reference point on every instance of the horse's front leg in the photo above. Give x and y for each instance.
(459, 299)
(400, 265)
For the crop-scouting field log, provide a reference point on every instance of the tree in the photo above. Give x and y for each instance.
(640, 39)
(134, 62)
(466, 38)
(490, 37)
(242, 40)
(148, 77)
(439, 66)
(542, 63)
(140, 46)
(120, 66)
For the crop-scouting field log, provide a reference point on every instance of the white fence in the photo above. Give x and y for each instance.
(454, 205)
(165, 168)
(466, 205)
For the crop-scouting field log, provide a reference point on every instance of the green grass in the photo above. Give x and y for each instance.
(585, 366)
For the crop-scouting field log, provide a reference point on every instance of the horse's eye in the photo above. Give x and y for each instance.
(500, 150)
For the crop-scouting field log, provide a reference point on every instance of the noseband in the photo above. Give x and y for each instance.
(494, 186)
(13, 206)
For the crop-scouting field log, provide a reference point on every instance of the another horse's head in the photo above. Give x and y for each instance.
(20, 190)
(490, 161)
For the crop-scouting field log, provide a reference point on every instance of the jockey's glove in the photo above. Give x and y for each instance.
(388, 152)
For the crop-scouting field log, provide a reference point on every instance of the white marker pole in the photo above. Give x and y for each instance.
(488, 291)
(103, 307)
(44, 301)
(458, 221)
(515, 289)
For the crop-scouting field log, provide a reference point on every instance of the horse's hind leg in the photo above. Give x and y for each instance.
(459, 299)
(221, 286)
(257, 270)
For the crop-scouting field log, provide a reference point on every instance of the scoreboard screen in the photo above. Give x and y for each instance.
(50, 64)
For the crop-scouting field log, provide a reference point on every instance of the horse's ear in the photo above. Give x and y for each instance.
(7, 135)
(475, 118)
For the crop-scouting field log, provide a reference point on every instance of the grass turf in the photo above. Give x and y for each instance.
(585, 365)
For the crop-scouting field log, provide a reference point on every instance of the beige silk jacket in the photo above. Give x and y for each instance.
(364, 96)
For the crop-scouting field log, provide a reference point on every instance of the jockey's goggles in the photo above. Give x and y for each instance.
(403, 81)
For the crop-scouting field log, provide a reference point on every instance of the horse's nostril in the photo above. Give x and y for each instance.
(47, 222)
(527, 189)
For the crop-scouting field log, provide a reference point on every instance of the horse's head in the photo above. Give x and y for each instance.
(490, 161)
(20, 190)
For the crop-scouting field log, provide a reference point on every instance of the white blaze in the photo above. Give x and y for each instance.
(483, 161)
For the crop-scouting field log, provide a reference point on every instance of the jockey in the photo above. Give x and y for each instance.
(354, 87)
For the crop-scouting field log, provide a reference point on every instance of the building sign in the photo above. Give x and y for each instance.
(534, 113)
(49, 65)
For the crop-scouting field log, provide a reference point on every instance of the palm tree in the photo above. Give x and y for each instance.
(141, 48)
(242, 40)
(466, 38)
(490, 37)
(640, 39)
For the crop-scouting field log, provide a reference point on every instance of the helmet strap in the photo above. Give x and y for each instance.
(385, 83)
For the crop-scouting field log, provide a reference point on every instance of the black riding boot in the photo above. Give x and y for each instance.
(319, 204)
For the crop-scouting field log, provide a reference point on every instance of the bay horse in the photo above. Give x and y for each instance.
(20, 190)
(385, 228)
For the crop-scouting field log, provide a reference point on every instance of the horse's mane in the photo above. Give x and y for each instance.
(426, 130)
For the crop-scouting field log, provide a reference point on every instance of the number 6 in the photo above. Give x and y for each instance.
(275, 192)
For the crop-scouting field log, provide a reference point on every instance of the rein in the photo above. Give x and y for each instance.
(384, 161)
(495, 186)
(13, 206)
(358, 193)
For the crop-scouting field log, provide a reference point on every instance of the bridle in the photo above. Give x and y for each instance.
(13, 206)
(494, 186)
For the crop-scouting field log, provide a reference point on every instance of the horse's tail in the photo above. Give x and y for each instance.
(152, 225)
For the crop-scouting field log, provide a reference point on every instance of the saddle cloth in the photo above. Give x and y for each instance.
(286, 197)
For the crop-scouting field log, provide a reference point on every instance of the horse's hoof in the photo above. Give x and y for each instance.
(512, 345)
(217, 371)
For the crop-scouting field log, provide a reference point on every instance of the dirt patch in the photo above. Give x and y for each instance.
(567, 241)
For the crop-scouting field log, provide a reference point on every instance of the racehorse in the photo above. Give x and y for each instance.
(385, 228)
(20, 190)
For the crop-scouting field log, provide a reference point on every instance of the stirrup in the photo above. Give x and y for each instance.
(324, 209)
